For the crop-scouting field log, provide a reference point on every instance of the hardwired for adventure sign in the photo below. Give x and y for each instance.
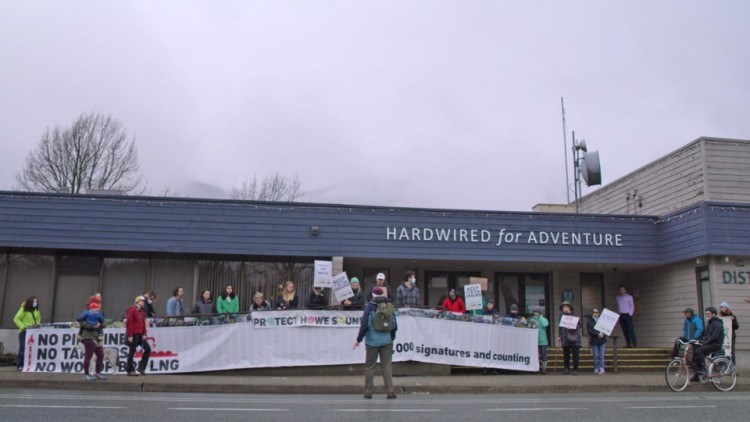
(311, 342)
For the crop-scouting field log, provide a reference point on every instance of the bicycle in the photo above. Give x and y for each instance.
(721, 371)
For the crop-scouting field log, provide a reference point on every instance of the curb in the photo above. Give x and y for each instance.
(343, 389)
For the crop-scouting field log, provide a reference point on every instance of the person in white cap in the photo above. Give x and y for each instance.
(379, 282)
(725, 312)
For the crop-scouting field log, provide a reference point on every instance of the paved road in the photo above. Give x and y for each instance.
(52, 405)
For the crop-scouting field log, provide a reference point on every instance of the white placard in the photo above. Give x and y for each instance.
(569, 321)
(607, 322)
(727, 335)
(323, 274)
(341, 287)
(473, 295)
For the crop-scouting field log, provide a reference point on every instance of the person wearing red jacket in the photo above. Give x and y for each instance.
(135, 331)
(454, 303)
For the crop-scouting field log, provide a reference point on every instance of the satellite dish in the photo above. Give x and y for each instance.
(591, 171)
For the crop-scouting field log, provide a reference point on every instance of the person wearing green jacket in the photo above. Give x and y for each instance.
(27, 317)
(542, 323)
(228, 303)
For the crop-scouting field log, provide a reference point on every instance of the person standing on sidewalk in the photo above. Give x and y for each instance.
(570, 339)
(598, 342)
(92, 331)
(724, 312)
(26, 317)
(626, 308)
(542, 323)
(135, 332)
(378, 329)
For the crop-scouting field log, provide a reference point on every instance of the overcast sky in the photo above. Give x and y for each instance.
(448, 104)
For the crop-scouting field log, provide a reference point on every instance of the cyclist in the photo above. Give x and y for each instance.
(692, 329)
(712, 340)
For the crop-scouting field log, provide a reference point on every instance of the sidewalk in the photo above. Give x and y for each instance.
(350, 384)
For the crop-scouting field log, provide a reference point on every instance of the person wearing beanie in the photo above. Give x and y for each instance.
(378, 330)
(454, 303)
(95, 298)
(725, 313)
(542, 323)
(513, 313)
(355, 302)
(712, 341)
(92, 326)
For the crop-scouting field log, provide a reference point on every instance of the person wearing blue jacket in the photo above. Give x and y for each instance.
(692, 329)
(377, 343)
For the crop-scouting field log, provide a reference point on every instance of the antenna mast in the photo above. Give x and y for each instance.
(565, 148)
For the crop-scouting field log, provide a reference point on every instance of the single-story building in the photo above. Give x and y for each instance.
(674, 232)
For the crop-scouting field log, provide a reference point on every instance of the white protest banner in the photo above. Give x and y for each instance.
(341, 287)
(569, 321)
(607, 322)
(243, 345)
(305, 318)
(473, 295)
(727, 335)
(322, 274)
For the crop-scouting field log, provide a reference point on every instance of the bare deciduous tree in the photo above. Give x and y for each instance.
(93, 153)
(275, 187)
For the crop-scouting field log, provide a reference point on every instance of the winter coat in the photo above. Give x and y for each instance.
(372, 337)
(692, 328)
(714, 334)
(264, 306)
(87, 321)
(230, 306)
(25, 319)
(407, 296)
(357, 302)
(543, 324)
(136, 322)
(150, 312)
(204, 308)
(594, 334)
(455, 305)
(563, 332)
(282, 304)
(315, 301)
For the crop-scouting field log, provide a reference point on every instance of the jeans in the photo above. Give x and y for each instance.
(137, 341)
(576, 356)
(386, 353)
(626, 322)
(543, 353)
(598, 351)
(21, 348)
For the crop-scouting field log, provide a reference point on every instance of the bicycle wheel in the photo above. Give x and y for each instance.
(722, 374)
(677, 375)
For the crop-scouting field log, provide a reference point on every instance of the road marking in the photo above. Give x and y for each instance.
(228, 409)
(61, 407)
(533, 409)
(667, 407)
(388, 410)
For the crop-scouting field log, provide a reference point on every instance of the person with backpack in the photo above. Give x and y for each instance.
(378, 329)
